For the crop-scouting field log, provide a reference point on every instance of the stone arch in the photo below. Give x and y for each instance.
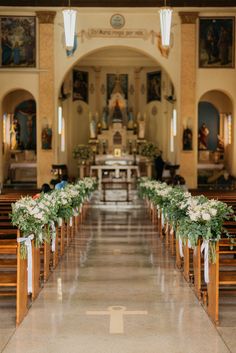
(102, 47)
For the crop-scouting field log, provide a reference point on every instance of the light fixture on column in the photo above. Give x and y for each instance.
(69, 16)
(165, 24)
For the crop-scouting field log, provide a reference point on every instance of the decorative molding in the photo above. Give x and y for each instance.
(188, 17)
(91, 88)
(80, 109)
(131, 89)
(154, 110)
(46, 16)
(143, 89)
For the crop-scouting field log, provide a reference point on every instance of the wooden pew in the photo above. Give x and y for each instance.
(16, 280)
(221, 275)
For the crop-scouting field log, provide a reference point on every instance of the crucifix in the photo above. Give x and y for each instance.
(116, 314)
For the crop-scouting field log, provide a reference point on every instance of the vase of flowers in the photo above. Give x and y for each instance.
(149, 150)
(83, 154)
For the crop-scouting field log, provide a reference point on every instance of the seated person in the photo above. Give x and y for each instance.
(44, 188)
(63, 183)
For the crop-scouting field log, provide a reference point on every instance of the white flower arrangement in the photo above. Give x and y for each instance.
(37, 216)
(192, 217)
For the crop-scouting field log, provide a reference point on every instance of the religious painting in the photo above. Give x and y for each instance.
(216, 42)
(23, 127)
(46, 138)
(80, 85)
(117, 81)
(18, 41)
(153, 86)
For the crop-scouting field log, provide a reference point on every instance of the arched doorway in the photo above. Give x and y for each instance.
(215, 149)
(19, 138)
(85, 101)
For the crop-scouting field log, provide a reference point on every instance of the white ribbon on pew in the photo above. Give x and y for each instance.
(205, 248)
(172, 230)
(59, 221)
(181, 248)
(28, 245)
(71, 221)
(189, 244)
(53, 230)
(162, 219)
(76, 211)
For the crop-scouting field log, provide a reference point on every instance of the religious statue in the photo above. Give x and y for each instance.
(92, 126)
(141, 127)
(117, 113)
(15, 134)
(46, 138)
(130, 124)
(187, 139)
(202, 137)
(220, 144)
(105, 118)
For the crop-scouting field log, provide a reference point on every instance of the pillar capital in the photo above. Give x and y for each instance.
(188, 17)
(46, 16)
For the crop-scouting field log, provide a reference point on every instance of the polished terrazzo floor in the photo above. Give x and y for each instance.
(115, 291)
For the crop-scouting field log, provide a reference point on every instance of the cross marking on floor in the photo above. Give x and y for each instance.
(116, 314)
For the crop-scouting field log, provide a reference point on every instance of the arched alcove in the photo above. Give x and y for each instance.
(148, 95)
(19, 137)
(215, 137)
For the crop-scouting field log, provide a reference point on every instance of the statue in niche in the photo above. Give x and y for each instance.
(117, 116)
(92, 127)
(141, 127)
(105, 118)
(130, 124)
(203, 137)
(15, 134)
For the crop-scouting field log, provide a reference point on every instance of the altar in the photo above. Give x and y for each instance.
(114, 172)
(115, 139)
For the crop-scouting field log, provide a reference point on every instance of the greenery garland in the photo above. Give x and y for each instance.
(192, 217)
(36, 216)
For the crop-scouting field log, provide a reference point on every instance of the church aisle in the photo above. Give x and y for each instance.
(116, 291)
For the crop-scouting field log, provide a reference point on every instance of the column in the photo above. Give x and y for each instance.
(137, 72)
(46, 101)
(188, 104)
(97, 90)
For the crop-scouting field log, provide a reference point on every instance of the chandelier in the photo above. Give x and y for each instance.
(165, 23)
(69, 17)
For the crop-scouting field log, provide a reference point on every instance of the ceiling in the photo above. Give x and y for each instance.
(119, 3)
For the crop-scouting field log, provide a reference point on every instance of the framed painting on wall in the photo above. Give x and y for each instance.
(113, 79)
(153, 86)
(18, 41)
(216, 42)
(80, 85)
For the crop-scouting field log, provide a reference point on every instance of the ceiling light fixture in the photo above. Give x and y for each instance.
(69, 16)
(165, 23)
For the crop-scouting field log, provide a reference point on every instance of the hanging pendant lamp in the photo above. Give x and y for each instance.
(165, 24)
(69, 16)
